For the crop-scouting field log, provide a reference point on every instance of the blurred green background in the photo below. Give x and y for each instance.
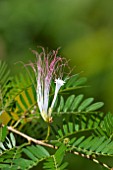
(84, 30)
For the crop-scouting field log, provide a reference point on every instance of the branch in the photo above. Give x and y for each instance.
(39, 142)
(93, 159)
(30, 139)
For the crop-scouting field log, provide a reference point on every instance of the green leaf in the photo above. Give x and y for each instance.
(29, 154)
(5, 86)
(3, 133)
(93, 146)
(107, 125)
(80, 81)
(85, 103)
(68, 103)
(72, 81)
(78, 141)
(23, 163)
(61, 106)
(37, 152)
(94, 106)
(55, 161)
(76, 102)
(13, 140)
(42, 150)
(77, 124)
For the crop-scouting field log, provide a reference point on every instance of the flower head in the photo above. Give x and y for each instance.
(47, 67)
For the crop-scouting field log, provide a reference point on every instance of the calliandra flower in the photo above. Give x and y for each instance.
(47, 67)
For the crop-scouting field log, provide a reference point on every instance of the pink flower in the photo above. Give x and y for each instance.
(47, 67)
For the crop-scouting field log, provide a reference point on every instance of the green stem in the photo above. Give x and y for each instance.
(48, 132)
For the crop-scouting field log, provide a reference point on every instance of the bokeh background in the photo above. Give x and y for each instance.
(82, 28)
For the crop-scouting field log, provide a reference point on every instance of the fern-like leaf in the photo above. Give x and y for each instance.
(107, 126)
(5, 85)
(92, 146)
(55, 161)
(76, 125)
(37, 154)
(74, 82)
(76, 104)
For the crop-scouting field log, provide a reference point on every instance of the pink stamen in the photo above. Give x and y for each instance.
(47, 66)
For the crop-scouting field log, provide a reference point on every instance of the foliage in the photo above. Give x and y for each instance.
(78, 127)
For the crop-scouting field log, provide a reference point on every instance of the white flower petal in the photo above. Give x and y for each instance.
(59, 83)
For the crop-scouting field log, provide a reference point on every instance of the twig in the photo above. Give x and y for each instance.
(48, 132)
(30, 139)
(93, 159)
(39, 142)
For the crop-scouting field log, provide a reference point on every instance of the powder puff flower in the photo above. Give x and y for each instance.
(47, 67)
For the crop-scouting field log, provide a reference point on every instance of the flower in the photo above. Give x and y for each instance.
(46, 68)
(59, 83)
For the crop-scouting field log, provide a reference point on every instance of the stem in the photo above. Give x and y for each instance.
(16, 124)
(93, 159)
(39, 142)
(30, 139)
(48, 132)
